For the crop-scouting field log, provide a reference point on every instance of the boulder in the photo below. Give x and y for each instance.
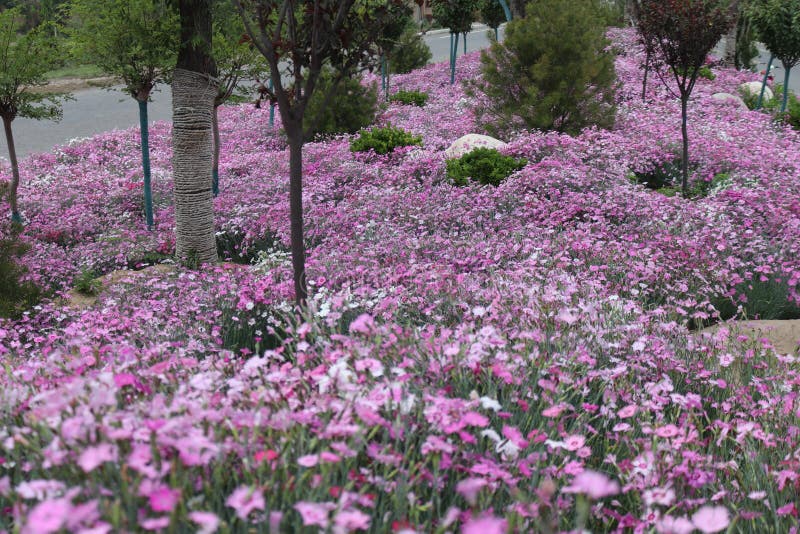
(727, 97)
(467, 143)
(754, 88)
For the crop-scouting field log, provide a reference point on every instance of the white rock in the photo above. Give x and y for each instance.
(467, 143)
(754, 88)
(727, 97)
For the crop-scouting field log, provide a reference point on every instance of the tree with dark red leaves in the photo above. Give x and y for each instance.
(681, 33)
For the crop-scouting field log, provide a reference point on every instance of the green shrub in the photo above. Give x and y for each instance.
(706, 72)
(792, 114)
(412, 98)
(665, 178)
(231, 246)
(484, 165)
(15, 295)
(352, 107)
(411, 52)
(764, 299)
(384, 140)
(87, 283)
(551, 72)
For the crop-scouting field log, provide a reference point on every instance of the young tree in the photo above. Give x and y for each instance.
(236, 59)
(411, 52)
(298, 40)
(493, 15)
(135, 40)
(399, 18)
(458, 15)
(778, 25)
(683, 32)
(551, 72)
(24, 60)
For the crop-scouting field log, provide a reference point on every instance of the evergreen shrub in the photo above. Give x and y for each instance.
(411, 98)
(384, 140)
(484, 165)
(352, 107)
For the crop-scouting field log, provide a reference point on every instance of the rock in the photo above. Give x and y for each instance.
(467, 143)
(754, 88)
(727, 97)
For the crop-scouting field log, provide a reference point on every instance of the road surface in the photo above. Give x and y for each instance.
(98, 110)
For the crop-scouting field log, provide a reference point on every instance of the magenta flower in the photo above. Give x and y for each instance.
(593, 484)
(469, 489)
(363, 324)
(575, 442)
(485, 525)
(208, 522)
(709, 519)
(244, 500)
(164, 499)
(314, 513)
(674, 525)
(92, 457)
(48, 516)
(351, 520)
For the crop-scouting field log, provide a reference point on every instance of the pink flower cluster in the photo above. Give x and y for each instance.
(476, 359)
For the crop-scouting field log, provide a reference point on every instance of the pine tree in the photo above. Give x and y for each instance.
(552, 72)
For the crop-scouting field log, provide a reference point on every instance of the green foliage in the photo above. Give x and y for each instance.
(25, 59)
(411, 52)
(16, 295)
(792, 114)
(384, 140)
(552, 72)
(765, 299)
(746, 50)
(231, 246)
(665, 178)
(235, 58)
(136, 40)
(777, 24)
(492, 13)
(458, 15)
(703, 72)
(87, 283)
(353, 106)
(397, 22)
(483, 165)
(412, 98)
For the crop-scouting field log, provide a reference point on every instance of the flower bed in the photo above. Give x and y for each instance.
(476, 358)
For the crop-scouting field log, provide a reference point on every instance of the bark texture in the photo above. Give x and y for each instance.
(192, 110)
(12, 156)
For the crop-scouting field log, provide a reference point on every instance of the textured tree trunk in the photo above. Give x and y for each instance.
(685, 135)
(194, 89)
(646, 72)
(215, 166)
(295, 134)
(12, 156)
(729, 44)
(144, 134)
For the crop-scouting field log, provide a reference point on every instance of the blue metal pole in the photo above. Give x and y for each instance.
(507, 11)
(785, 89)
(271, 107)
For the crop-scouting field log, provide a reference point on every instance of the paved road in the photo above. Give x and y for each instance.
(98, 110)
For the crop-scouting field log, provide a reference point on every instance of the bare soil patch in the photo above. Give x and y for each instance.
(784, 335)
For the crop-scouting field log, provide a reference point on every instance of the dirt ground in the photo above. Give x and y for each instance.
(784, 335)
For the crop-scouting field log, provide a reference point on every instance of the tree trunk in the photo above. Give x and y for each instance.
(12, 156)
(295, 134)
(215, 165)
(729, 46)
(729, 58)
(145, 138)
(646, 72)
(685, 135)
(194, 89)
